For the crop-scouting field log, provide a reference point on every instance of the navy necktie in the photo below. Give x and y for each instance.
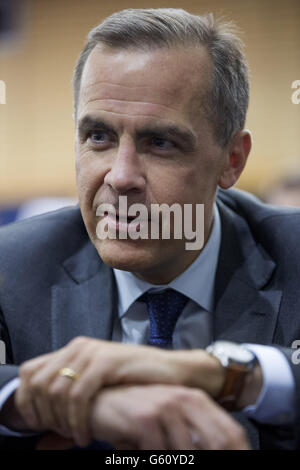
(164, 309)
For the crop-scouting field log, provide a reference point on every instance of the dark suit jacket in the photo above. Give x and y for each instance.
(54, 287)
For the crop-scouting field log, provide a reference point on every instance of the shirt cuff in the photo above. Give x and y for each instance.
(5, 393)
(276, 402)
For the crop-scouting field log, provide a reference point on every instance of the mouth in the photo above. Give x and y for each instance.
(123, 218)
(124, 222)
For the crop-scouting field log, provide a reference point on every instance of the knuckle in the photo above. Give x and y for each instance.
(198, 398)
(78, 341)
(148, 416)
(35, 385)
(182, 395)
(76, 396)
(25, 369)
(170, 402)
(200, 395)
(56, 391)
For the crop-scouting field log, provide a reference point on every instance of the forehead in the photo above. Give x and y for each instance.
(144, 82)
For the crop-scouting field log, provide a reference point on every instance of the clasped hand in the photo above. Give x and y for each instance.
(131, 396)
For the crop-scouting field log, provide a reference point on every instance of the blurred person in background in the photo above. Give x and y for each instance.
(285, 192)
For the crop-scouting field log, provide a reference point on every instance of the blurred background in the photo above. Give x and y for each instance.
(39, 43)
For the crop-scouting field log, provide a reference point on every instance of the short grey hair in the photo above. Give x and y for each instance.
(143, 29)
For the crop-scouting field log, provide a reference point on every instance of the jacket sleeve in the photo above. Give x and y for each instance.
(8, 372)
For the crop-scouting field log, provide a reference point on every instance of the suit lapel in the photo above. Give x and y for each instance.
(86, 304)
(244, 311)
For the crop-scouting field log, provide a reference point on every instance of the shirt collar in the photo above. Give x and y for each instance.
(196, 282)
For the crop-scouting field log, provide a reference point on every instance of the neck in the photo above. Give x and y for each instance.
(164, 274)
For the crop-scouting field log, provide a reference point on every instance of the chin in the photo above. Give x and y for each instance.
(125, 254)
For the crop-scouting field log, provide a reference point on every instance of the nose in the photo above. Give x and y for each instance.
(126, 172)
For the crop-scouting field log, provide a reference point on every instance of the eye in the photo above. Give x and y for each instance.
(99, 137)
(162, 144)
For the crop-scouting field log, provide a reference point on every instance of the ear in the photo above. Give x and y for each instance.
(236, 158)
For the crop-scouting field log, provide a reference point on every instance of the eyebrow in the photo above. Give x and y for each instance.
(87, 123)
(162, 130)
(183, 134)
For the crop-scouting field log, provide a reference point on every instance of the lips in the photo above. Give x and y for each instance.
(125, 218)
(125, 223)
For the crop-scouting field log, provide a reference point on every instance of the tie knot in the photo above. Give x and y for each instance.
(164, 309)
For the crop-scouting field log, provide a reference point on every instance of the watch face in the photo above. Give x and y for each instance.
(229, 351)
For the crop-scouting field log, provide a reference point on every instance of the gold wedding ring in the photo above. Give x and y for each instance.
(69, 373)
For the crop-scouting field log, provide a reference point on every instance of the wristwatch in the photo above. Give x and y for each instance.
(238, 362)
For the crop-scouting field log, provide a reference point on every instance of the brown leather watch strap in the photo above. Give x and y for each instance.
(233, 385)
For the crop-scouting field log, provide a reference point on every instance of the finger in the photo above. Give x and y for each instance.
(35, 403)
(24, 395)
(80, 401)
(78, 419)
(59, 393)
(215, 428)
(177, 433)
(35, 397)
(126, 418)
(47, 419)
(112, 418)
(36, 410)
(62, 396)
(31, 366)
(35, 378)
(45, 372)
(26, 408)
(50, 399)
(153, 437)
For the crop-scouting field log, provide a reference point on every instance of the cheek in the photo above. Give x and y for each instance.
(162, 184)
(90, 175)
(190, 187)
(181, 180)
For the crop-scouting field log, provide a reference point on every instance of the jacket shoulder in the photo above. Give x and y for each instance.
(255, 210)
(274, 227)
(44, 240)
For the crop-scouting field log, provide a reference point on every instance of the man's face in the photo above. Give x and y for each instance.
(141, 132)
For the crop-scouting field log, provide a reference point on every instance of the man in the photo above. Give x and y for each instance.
(160, 105)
